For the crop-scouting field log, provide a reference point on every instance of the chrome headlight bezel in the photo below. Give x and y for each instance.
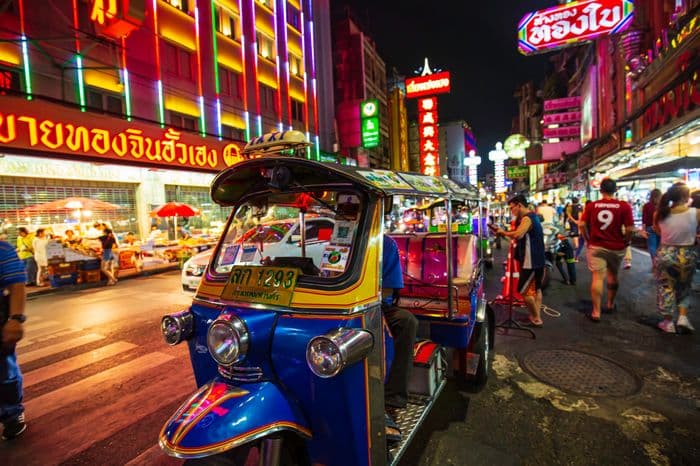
(237, 346)
(177, 327)
(340, 347)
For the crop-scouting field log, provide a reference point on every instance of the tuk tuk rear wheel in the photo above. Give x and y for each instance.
(291, 453)
(482, 346)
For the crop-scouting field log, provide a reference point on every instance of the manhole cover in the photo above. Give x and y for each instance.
(581, 373)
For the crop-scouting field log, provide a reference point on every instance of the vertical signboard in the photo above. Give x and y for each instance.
(428, 135)
(369, 121)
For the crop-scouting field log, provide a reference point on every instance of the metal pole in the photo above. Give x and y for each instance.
(302, 228)
(448, 254)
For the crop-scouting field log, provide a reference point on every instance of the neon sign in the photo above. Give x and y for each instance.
(369, 122)
(117, 18)
(571, 23)
(37, 127)
(103, 10)
(431, 84)
(498, 157)
(428, 136)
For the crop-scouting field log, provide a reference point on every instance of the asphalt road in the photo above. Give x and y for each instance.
(99, 383)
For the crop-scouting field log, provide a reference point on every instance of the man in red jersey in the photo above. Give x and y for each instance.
(603, 223)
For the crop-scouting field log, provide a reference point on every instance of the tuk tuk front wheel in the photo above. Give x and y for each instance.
(268, 451)
(481, 347)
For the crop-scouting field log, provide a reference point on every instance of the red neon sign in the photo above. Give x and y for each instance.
(55, 130)
(431, 84)
(428, 136)
(116, 18)
(572, 23)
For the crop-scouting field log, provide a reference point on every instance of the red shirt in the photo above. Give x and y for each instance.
(604, 219)
(648, 214)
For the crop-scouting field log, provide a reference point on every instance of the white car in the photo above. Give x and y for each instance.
(278, 239)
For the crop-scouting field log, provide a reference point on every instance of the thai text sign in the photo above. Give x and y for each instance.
(518, 172)
(431, 84)
(41, 127)
(572, 23)
(369, 122)
(428, 136)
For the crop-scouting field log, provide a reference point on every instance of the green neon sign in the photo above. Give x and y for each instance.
(369, 123)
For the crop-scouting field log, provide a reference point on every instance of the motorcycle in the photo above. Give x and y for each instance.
(289, 349)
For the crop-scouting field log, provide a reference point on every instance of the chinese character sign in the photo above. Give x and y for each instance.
(428, 136)
(572, 23)
(498, 157)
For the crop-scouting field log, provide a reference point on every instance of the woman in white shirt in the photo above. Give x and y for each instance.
(677, 225)
(42, 263)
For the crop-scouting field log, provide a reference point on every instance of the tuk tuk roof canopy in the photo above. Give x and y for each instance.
(255, 175)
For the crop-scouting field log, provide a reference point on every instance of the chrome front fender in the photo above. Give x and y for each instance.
(220, 417)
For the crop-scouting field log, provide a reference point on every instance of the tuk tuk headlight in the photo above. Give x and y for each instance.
(177, 327)
(328, 354)
(227, 340)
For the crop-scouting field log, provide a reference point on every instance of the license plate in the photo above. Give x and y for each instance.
(265, 285)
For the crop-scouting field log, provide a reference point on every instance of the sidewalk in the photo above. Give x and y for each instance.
(618, 391)
(35, 291)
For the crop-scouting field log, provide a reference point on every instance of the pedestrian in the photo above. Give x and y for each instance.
(42, 262)
(581, 239)
(573, 216)
(12, 301)
(529, 252)
(109, 242)
(564, 252)
(676, 256)
(648, 211)
(546, 211)
(25, 251)
(608, 226)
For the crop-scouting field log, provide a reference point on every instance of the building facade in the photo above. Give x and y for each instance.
(398, 122)
(360, 75)
(144, 100)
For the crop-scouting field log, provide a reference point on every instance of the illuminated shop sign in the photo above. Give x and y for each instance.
(35, 127)
(499, 157)
(572, 23)
(428, 136)
(369, 122)
(117, 18)
(431, 84)
(675, 103)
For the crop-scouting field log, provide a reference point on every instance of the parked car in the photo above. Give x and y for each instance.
(279, 238)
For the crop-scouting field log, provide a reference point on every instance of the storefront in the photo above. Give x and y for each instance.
(122, 170)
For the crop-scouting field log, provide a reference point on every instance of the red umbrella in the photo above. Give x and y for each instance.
(175, 209)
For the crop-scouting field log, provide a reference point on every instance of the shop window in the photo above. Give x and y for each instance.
(227, 24)
(183, 121)
(230, 132)
(295, 65)
(182, 5)
(268, 99)
(297, 110)
(10, 81)
(178, 61)
(266, 46)
(293, 17)
(230, 83)
(104, 101)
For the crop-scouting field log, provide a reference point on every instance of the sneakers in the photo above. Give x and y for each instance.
(667, 326)
(628, 265)
(683, 325)
(14, 428)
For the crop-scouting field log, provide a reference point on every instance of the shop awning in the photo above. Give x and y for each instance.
(668, 168)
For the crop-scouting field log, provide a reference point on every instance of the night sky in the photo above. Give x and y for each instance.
(473, 39)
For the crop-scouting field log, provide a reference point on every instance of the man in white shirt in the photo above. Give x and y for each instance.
(546, 211)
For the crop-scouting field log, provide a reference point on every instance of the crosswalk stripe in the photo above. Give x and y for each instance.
(30, 356)
(63, 367)
(24, 342)
(98, 383)
(30, 326)
(79, 433)
(154, 456)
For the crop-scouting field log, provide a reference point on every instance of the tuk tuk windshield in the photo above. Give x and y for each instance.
(266, 230)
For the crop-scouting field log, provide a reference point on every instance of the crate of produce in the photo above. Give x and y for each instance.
(90, 276)
(63, 279)
(63, 268)
(92, 264)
